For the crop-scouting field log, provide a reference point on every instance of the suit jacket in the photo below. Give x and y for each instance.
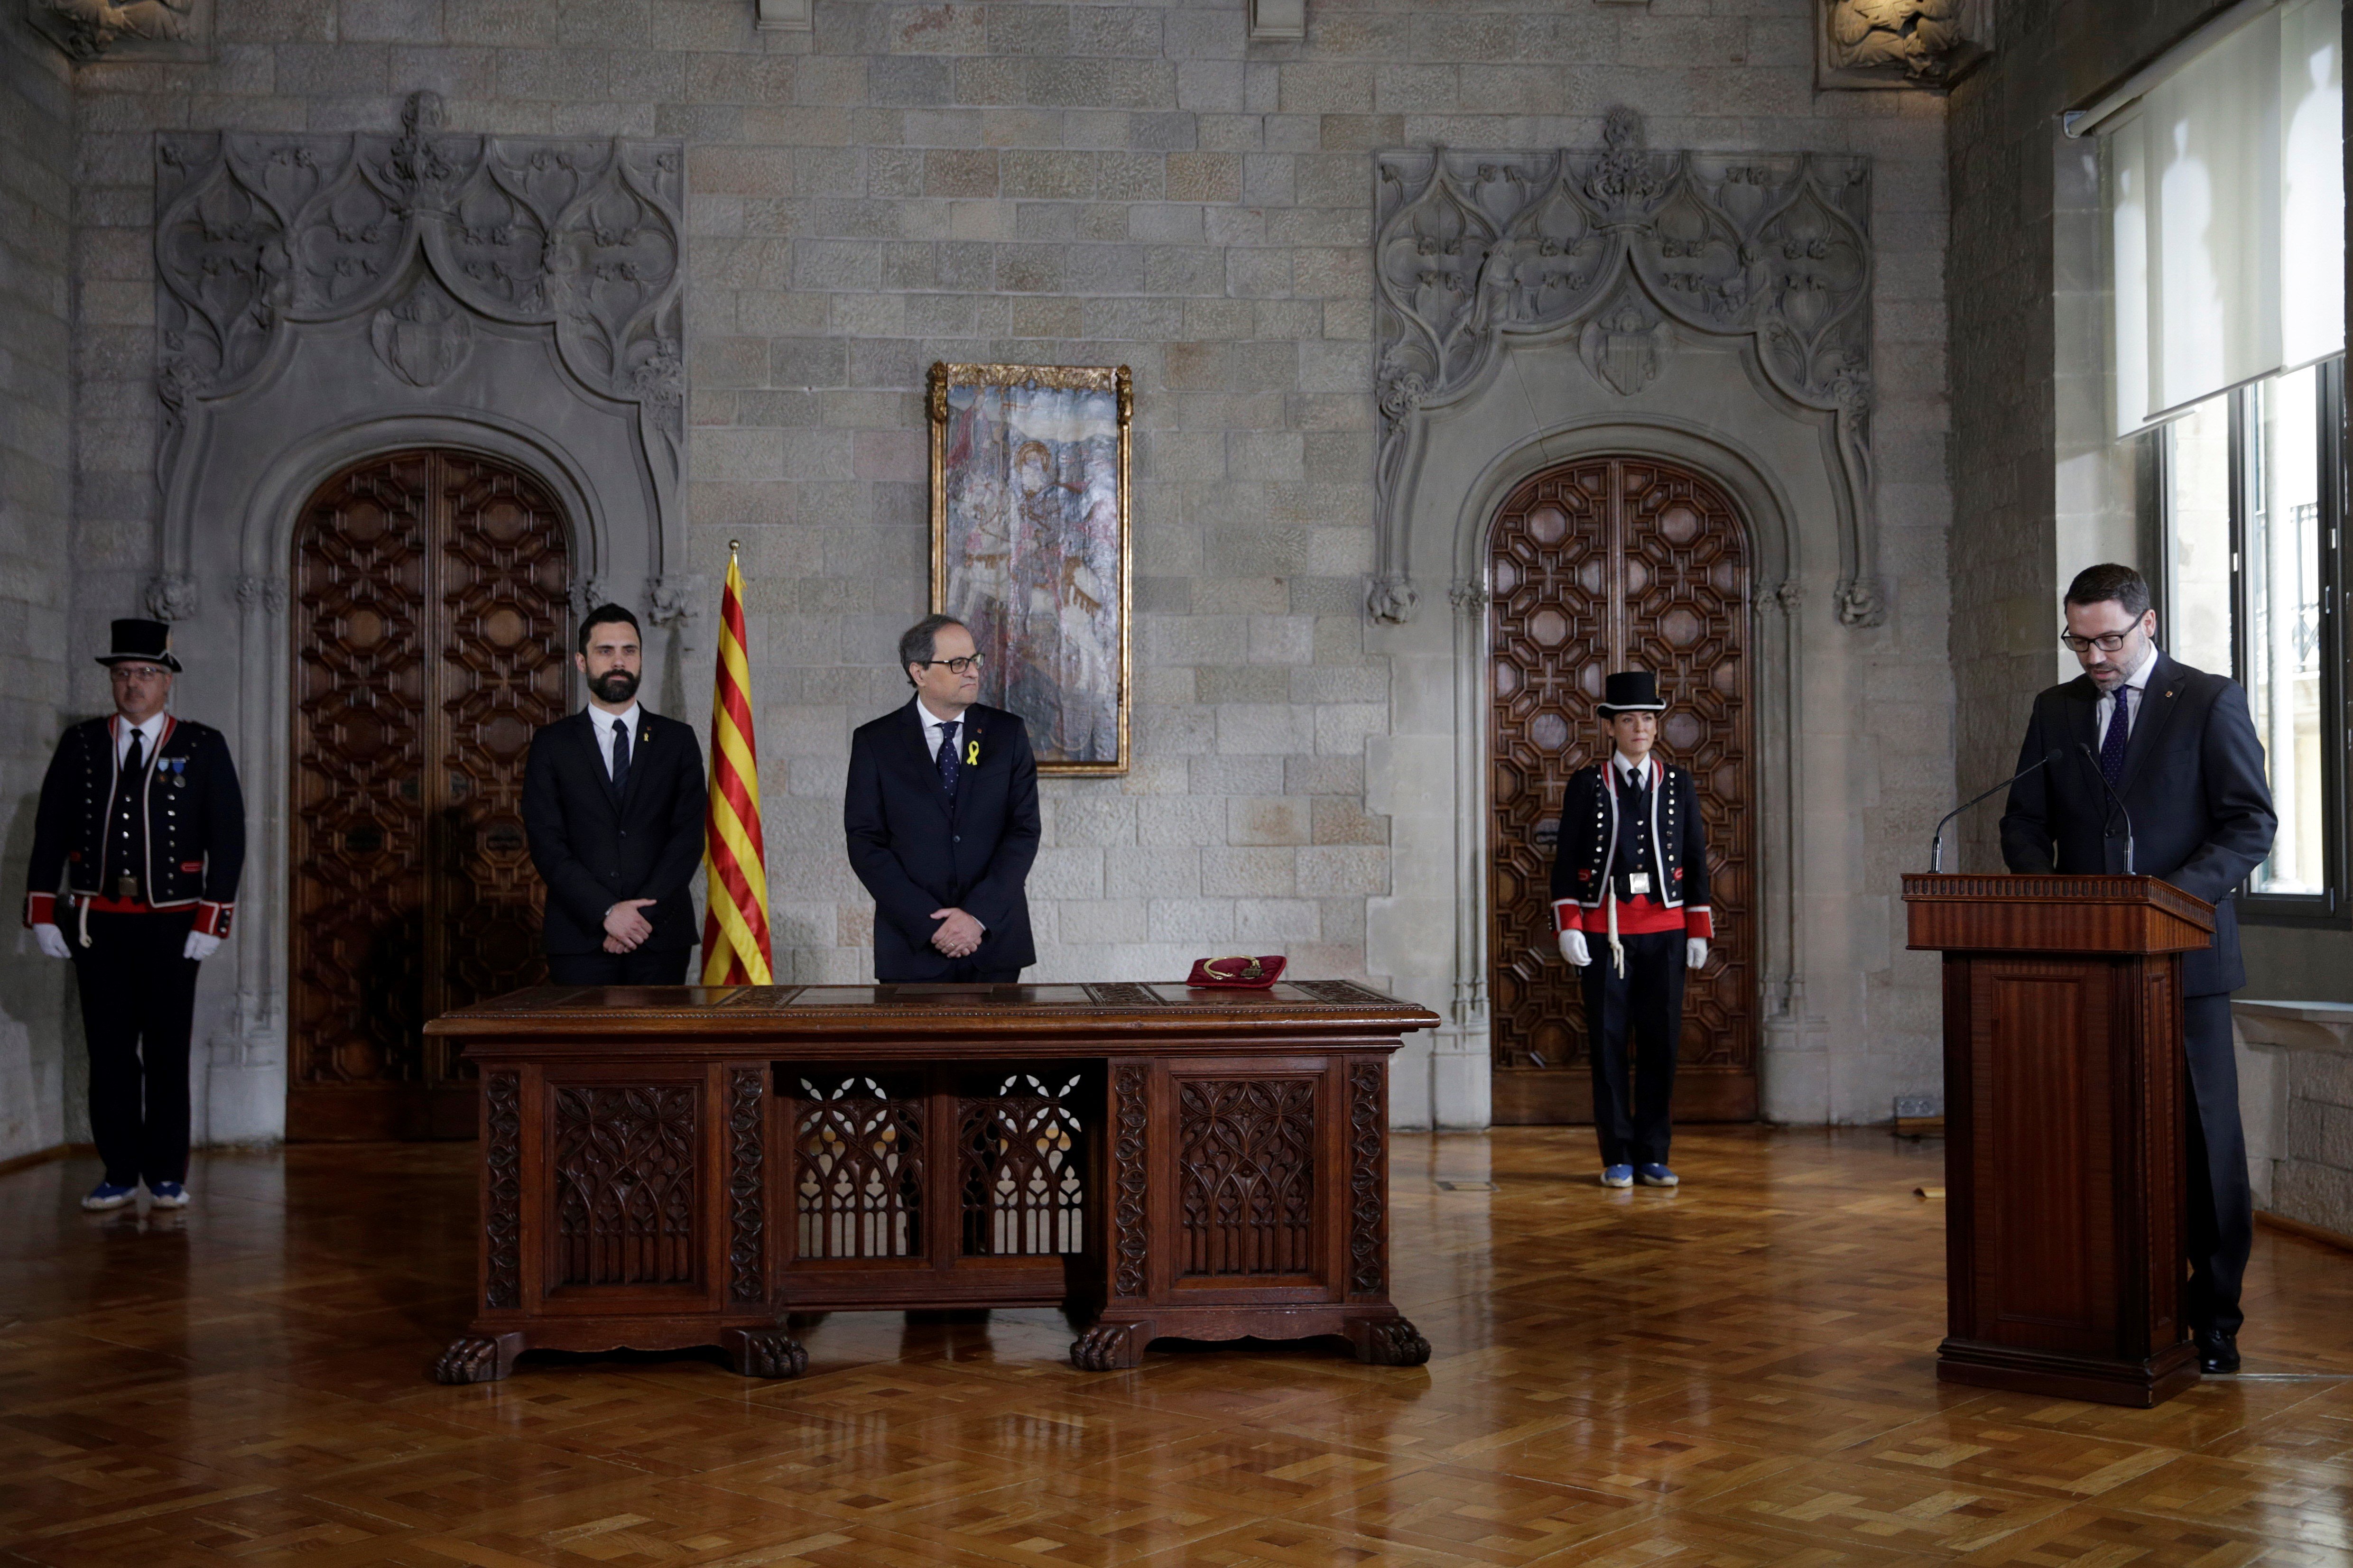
(917, 852)
(195, 819)
(593, 850)
(2193, 781)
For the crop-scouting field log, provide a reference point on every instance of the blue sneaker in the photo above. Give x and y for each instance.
(169, 1195)
(1617, 1175)
(107, 1196)
(1657, 1176)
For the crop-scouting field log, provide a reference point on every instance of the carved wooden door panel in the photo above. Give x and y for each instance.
(1616, 563)
(431, 637)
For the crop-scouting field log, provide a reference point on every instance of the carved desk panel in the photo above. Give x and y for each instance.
(674, 1166)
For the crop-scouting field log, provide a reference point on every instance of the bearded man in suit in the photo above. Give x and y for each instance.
(613, 802)
(2161, 774)
(940, 815)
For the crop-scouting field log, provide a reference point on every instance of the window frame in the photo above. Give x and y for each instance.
(2330, 907)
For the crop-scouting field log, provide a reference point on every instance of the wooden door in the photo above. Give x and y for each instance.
(432, 630)
(1616, 563)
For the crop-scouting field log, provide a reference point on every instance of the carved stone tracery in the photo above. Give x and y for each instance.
(1620, 248)
(426, 232)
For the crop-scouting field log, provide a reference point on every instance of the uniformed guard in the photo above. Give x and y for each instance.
(1631, 869)
(142, 820)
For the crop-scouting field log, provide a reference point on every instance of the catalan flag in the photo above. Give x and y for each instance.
(736, 913)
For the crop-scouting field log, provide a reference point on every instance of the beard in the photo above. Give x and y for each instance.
(614, 686)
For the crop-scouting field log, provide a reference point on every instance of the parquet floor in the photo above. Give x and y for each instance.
(1738, 1374)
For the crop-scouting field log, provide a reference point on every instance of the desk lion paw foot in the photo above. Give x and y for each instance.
(1108, 1347)
(1390, 1342)
(767, 1353)
(477, 1358)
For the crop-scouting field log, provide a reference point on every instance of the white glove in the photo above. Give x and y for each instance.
(1695, 953)
(199, 946)
(52, 941)
(1572, 948)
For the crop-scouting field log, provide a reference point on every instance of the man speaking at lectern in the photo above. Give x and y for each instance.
(2159, 772)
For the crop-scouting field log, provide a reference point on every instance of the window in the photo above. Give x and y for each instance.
(2254, 579)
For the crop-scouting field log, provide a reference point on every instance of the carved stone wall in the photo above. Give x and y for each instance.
(1772, 252)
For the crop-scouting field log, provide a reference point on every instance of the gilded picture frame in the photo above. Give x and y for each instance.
(1031, 550)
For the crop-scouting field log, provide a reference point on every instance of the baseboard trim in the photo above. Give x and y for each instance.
(2304, 1228)
(43, 1156)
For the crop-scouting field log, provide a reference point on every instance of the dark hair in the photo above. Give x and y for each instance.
(2110, 580)
(605, 614)
(918, 642)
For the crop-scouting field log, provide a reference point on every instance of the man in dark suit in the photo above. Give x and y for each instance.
(2176, 747)
(941, 818)
(613, 800)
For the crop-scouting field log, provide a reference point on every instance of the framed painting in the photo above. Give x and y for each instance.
(1030, 508)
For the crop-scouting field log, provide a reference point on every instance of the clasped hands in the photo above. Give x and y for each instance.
(625, 929)
(959, 933)
(1573, 948)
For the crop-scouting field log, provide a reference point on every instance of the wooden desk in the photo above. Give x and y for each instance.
(673, 1166)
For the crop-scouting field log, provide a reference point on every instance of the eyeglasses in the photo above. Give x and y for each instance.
(2106, 642)
(955, 666)
(137, 672)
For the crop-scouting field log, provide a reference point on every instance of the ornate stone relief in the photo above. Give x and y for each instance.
(172, 596)
(1900, 43)
(1631, 246)
(131, 30)
(426, 233)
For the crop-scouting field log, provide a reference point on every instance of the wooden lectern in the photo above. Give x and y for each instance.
(2063, 1100)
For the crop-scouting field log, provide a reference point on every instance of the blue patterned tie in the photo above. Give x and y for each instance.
(620, 758)
(948, 757)
(2112, 744)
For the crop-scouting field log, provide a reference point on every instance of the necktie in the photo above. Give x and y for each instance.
(134, 761)
(948, 757)
(2112, 744)
(620, 756)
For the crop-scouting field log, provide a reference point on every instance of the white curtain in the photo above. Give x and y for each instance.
(2226, 200)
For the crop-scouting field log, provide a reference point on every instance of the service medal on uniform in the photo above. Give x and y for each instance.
(137, 845)
(1630, 901)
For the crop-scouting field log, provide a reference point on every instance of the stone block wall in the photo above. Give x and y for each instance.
(2295, 1095)
(1133, 184)
(36, 575)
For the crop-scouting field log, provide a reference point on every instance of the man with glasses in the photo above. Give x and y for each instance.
(142, 818)
(2161, 757)
(942, 819)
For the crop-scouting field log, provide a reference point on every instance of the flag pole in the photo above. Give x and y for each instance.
(736, 938)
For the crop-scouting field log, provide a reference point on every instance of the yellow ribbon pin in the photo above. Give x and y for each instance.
(971, 752)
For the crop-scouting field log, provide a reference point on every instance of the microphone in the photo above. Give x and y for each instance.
(1936, 845)
(2093, 759)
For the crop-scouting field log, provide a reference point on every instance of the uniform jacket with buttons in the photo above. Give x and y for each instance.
(593, 851)
(195, 816)
(1584, 857)
(917, 850)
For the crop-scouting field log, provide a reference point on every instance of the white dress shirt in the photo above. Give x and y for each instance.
(935, 730)
(147, 730)
(604, 721)
(2137, 684)
(1626, 769)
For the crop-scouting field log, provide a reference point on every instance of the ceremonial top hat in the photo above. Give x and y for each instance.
(144, 642)
(1631, 692)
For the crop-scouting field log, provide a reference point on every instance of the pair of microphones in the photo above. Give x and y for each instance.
(1937, 844)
